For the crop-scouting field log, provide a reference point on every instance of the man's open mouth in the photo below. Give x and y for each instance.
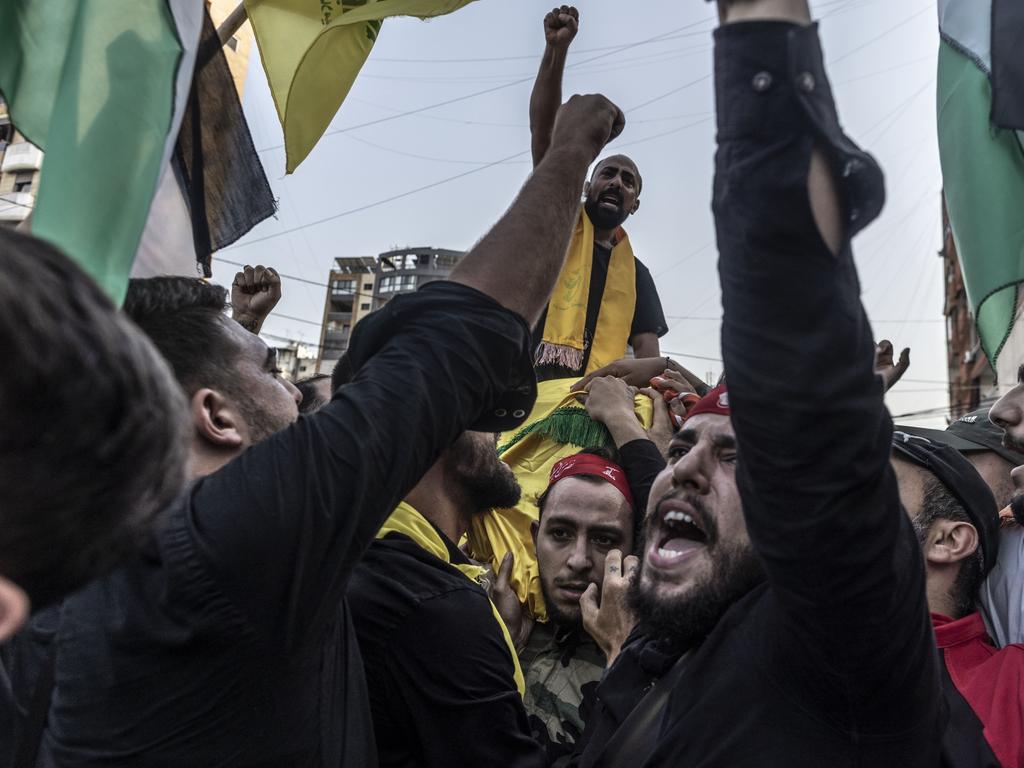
(680, 532)
(610, 200)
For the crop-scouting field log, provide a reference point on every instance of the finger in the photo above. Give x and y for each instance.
(613, 564)
(239, 279)
(504, 572)
(249, 271)
(259, 278)
(904, 360)
(588, 605)
(272, 276)
(618, 124)
(630, 566)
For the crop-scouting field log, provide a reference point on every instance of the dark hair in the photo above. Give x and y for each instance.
(184, 318)
(311, 401)
(940, 504)
(602, 453)
(94, 428)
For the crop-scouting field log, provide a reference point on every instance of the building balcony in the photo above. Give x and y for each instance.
(21, 157)
(16, 206)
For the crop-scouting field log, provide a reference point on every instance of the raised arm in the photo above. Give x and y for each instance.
(819, 497)
(283, 525)
(517, 261)
(559, 30)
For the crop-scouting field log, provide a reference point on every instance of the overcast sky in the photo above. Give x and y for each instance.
(881, 57)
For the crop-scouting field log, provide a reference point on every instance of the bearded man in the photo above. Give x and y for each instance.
(605, 299)
(781, 597)
(444, 678)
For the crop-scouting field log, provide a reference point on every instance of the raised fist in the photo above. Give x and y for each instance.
(588, 122)
(560, 26)
(255, 291)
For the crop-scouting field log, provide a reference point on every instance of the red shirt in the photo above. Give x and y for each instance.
(989, 678)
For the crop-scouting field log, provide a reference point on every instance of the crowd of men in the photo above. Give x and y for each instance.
(202, 564)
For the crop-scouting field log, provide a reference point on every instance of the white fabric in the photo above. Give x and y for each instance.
(166, 247)
(969, 24)
(1002, 594)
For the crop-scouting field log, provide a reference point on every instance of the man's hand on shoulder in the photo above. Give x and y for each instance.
(560, 27)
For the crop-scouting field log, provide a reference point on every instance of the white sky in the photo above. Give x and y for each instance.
(881, 57)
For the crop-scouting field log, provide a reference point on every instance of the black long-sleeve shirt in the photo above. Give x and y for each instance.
(831, 662)
(440, 674)
(228, 642)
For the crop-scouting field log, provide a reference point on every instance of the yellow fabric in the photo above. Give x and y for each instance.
(563, 341)
(409, 522)
(312, 51)
(494, 533)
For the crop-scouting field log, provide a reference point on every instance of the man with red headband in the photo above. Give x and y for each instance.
(781, 603)
(586, 524)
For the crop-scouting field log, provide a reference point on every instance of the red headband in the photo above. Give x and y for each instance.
(592, 466)
(714, 402)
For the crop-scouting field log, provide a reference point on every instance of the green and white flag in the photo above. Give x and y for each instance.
(981, 63)
(101, 87)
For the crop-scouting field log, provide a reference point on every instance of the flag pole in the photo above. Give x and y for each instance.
(232, 23)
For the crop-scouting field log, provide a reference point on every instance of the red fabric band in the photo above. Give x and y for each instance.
(715, 402)
(592, 466)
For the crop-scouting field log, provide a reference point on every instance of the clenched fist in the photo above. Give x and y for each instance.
(560, 27)
(587, 122)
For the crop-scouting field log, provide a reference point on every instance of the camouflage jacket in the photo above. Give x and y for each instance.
(562, 668)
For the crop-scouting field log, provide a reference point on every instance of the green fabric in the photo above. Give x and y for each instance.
(569, 426)
(983, 176)
(92, 84)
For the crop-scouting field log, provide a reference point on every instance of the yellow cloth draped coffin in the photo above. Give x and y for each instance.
(409, 522)
(558, 426)
(563, 340)
(312, 51)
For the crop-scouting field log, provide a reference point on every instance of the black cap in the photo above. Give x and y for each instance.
(962, 480)
(971, 433)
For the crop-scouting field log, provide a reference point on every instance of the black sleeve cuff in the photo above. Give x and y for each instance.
(770, 83)
(500, 334)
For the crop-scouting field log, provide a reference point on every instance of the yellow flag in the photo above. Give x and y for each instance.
(312, 51)
(557, 427)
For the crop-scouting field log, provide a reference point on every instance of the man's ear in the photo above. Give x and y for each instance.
(14, 608)
(216, 420)
(534, 530)
(950, 541)
(636, 207)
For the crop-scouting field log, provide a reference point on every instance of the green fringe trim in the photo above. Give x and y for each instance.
(568, 426)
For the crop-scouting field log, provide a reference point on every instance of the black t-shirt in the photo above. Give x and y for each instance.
(228, 642)
(648, 316)
(439, 671)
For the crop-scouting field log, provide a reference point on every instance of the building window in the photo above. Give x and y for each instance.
(23, 186)
(367, 286)
(364, 306)
(343, 287)
(395, 283)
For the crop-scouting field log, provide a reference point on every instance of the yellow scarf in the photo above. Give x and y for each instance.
(409, 522)
(563, 340)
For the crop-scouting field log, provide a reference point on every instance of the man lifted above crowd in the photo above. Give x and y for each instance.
(605, 299)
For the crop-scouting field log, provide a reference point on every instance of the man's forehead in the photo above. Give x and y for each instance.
(249, 344)
(707, 425)
(617, 162)
(583, 496)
